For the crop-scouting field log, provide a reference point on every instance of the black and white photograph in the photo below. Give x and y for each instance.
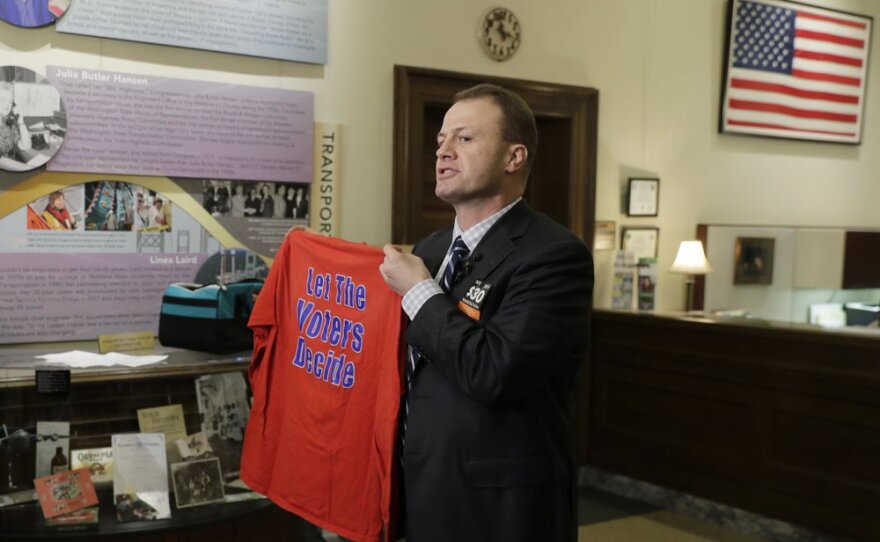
(222, 198)
(224, 410)
(194, 446)
(33, 122)
(197, 482)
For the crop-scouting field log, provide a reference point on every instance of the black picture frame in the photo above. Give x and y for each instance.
(753, 260)
(775, 114)
(642, 196)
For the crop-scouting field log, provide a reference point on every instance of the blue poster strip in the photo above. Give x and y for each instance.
(293, 30)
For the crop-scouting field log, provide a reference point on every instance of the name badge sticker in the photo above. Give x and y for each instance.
(473, 299)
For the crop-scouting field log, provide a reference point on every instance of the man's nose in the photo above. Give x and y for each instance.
(445, 150)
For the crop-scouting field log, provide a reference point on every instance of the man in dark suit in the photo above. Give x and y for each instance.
(499, 305)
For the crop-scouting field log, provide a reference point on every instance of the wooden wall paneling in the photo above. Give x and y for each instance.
(700, 280)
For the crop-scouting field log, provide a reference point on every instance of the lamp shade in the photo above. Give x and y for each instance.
(691, 259)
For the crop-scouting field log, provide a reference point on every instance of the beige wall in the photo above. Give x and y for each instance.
(656, 63)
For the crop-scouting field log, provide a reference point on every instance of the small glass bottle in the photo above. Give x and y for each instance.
(59, 462)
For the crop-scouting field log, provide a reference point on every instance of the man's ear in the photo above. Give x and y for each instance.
(517, 158)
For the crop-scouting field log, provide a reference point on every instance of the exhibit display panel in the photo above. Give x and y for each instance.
(129, 238)
(284, 29)
(114, 185)
(123, 123)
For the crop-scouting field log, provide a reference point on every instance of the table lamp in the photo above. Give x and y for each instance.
(691, 261)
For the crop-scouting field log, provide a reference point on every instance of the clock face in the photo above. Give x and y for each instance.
(500, 33)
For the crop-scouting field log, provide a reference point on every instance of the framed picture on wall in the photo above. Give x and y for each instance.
(641, 242)
(795, 71)
(643, 196)
(753, 260)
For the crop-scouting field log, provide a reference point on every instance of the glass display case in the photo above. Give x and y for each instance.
(99, 402)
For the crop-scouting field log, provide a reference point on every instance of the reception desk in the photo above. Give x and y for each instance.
(778, 419)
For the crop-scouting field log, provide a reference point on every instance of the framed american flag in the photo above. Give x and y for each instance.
(795, 71)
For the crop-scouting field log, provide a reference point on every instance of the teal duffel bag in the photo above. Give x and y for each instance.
(209, 317)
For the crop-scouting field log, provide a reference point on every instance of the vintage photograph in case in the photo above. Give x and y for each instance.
(197, 482)
(99, 461)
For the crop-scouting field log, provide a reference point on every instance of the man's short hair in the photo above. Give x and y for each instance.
(518, 125)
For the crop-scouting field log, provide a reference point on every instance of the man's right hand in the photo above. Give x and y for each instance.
(401, 270)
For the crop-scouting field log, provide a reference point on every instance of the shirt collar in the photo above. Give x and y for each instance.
(475, 233)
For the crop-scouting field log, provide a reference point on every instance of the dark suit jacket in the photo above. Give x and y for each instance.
(489, 444)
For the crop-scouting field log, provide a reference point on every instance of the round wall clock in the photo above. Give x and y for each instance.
(500, 33)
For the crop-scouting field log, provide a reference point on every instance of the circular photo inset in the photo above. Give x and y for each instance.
(58, 7)
(32, 13)
(32, 119)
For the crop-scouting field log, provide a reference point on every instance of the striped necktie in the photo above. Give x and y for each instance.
(460, 251)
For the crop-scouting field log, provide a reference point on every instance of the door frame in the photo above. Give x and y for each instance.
(416, 88)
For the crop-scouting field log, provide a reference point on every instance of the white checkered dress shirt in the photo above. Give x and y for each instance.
(417, 295)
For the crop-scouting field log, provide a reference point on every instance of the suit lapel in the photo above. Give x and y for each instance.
(493, 249)
(496, 245)
(433, 249)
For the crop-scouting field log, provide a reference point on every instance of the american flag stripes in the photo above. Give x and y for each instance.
(796, 71)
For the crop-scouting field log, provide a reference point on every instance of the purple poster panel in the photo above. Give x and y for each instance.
(81, 296)
(83, 259)
(136, 124)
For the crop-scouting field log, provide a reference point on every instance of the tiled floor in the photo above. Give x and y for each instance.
(604, 517)
(616, 507)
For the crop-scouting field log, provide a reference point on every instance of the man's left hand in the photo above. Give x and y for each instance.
(401, 270)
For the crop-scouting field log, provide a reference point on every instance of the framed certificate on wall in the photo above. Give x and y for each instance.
(641, 242)
(643, 196)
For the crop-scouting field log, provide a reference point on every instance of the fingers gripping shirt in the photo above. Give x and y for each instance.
(326, 379)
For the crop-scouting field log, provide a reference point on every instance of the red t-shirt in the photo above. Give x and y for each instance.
(326, 379)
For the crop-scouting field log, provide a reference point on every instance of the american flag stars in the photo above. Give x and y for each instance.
(764, 37)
